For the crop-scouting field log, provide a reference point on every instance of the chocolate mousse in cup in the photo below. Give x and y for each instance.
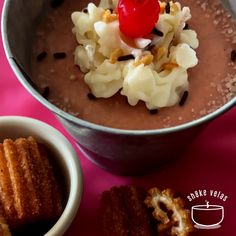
(133, 93)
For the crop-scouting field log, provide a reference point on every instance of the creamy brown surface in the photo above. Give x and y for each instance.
(209, 80)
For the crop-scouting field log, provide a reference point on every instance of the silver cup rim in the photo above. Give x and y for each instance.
(88, 124)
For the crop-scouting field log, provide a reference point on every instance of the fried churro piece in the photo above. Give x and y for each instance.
(42, 178)
(56, 194)
(4, 229)
(6, 191)
(28, 189)
(19, 188)
(114, 218)
(30, 178)
(169, 211)
(124, 212)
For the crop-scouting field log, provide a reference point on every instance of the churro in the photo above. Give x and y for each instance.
(4, 229)
(29, 191)
(178, 223)
(124, 212)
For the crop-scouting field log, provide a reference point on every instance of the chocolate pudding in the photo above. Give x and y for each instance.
(211, 83)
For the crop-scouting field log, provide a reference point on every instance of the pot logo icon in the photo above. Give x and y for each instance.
(207, 216)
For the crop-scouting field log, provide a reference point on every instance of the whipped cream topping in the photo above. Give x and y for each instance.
(157, 74)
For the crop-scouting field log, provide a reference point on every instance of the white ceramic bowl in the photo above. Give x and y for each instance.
(65, 158)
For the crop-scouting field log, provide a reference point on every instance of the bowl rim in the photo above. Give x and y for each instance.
(73, 168)
(203, 207)
(87, 124)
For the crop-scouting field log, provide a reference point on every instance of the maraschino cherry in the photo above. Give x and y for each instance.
(137, 18)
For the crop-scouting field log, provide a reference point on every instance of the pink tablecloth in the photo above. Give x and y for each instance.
(209, 164)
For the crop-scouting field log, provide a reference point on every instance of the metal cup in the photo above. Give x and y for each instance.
(126, 152)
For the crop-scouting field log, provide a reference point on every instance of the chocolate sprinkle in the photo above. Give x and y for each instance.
(42, 56)
(126, 57)
(91, 96)
(110, 9)
(153, 111)
(56, 3)
(46, 92)
(233, 55)
(157, 32)
(85, 10)
(168, 8)
(59, 55)
(183, 98)
(149, 47)
(186, 26)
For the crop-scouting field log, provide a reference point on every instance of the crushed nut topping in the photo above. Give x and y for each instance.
(115, 55)
(109, 17)
(146, 60)
(159, 53)
(169, 66)
(174, 9)
(162, 7)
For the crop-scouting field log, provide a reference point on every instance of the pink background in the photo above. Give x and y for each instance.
(209, 164)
